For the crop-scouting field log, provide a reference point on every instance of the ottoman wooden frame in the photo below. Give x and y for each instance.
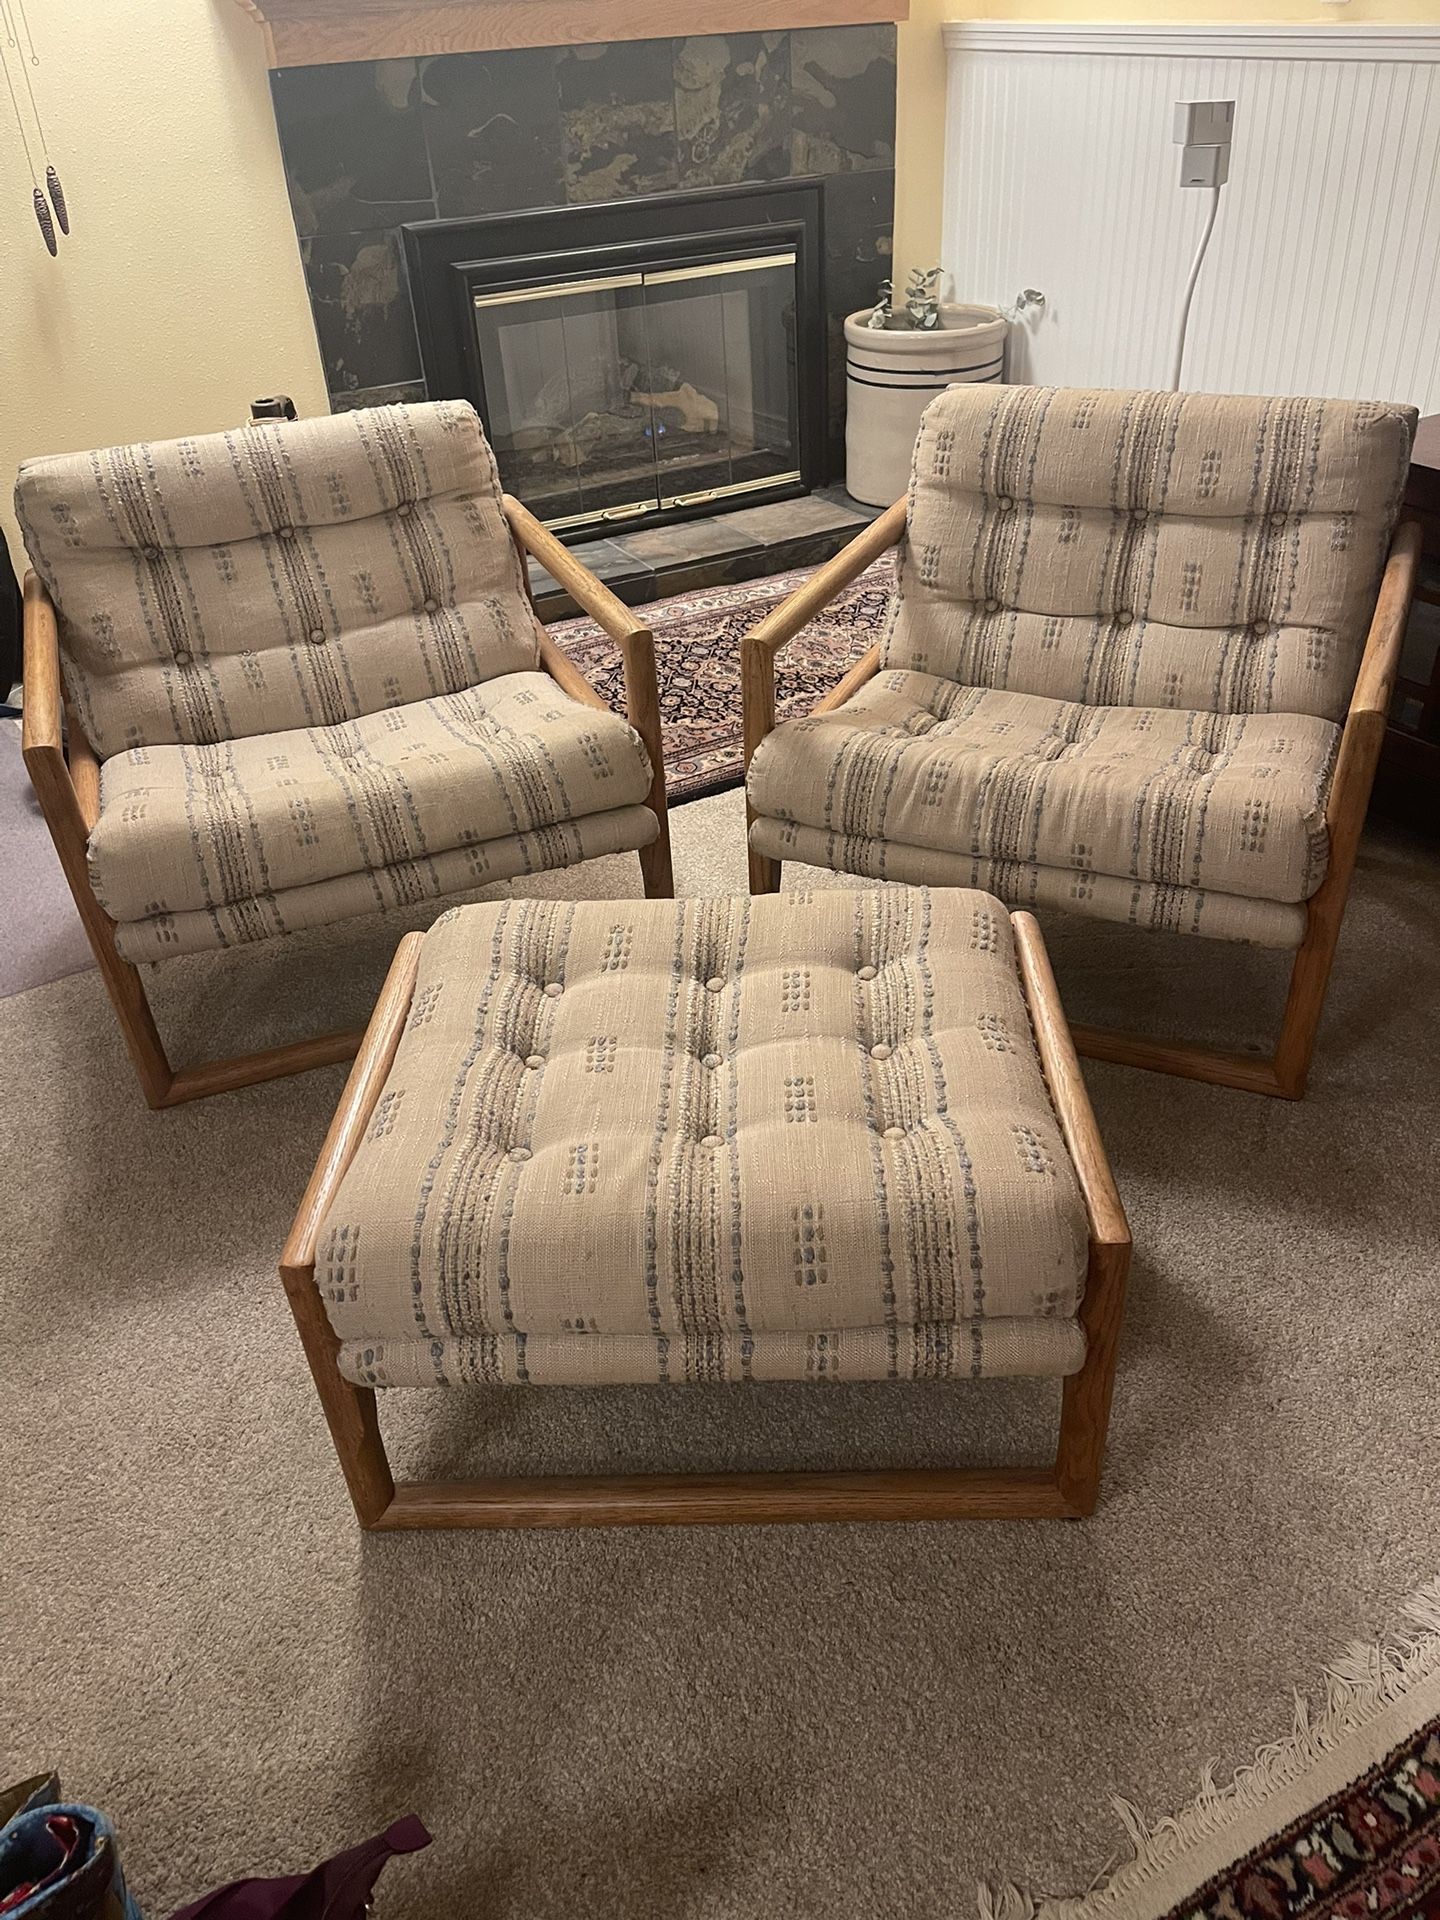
(1284, 1073)
(65, 774)
(1068, 1489)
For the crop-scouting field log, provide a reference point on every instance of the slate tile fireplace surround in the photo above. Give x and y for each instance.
(374, 147)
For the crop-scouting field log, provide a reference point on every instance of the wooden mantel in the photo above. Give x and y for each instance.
(313, 33)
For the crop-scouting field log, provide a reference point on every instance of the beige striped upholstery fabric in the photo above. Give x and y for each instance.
(306, 656)
(406, 884)
(1218, 916)
(1230, 802)
(1209, 551)
(800, 1137)
(199, 829)
(287, 574)
(1125, 628)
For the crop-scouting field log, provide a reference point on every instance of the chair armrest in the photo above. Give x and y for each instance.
(42, 722)
(827, 581)
(69, 796)
(584, 589)
(1380, 662)
(632, 636)
(759, 647)
(84, 773)
(44, 734)
(1364, 729)
(564, 672)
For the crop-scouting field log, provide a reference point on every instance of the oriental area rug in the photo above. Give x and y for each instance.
(1341, 1821)
(697, 657)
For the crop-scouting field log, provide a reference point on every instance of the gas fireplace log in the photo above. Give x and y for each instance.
(698, 414)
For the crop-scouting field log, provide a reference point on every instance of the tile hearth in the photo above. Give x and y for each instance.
(745, 545)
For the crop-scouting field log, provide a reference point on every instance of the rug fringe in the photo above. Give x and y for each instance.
(1359, 1684)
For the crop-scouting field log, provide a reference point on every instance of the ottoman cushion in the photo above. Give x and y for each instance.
(801, 1136)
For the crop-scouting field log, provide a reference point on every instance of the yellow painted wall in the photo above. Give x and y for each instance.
(919, 135)
(920, 83)
(179, 296)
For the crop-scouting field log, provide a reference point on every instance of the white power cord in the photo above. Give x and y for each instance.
(1203, 128)
(1190, 285)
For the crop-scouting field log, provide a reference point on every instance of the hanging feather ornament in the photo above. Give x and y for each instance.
(57, 198)
(42, 210)
(47, 225)
(10, 12)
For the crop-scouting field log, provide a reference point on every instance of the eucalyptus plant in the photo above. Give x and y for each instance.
(922, 300)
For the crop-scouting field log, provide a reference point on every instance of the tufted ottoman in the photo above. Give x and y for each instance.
(823, 1136)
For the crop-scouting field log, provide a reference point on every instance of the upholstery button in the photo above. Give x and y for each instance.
(1123, 618)
(317, 636)
(867, 973)
(711, 1060)
(712, 1140)
(715, 984)
(894, 1133)
(152, 553)
(535, 1060)
(553, 990)
(1260, 626)
(403, 508)
(286, 533)
(1004, 502)
(1139, 513)
(992, 606)
(519, 1153)
(882, 1052)
(183, 657)
(432, 606)
(1277, 519)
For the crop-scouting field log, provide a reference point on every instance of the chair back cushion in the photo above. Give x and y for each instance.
(286, 574)
(1215, 552)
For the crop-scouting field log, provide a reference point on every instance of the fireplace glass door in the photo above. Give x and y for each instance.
(621, 394)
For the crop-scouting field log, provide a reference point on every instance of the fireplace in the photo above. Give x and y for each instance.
(634, 362)
(628, 394)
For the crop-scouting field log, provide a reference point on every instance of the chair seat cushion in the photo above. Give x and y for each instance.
(1233, 803)
(800, 1136)
(198, 828)
(402, 888)
(1021, 883)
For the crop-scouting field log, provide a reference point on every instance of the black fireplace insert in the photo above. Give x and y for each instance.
(634, 361)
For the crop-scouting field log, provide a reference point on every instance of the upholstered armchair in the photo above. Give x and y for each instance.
(288, 674)
(1136, 665)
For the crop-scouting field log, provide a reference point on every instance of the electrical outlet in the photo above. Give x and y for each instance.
(1204, 123)
(1204, 166)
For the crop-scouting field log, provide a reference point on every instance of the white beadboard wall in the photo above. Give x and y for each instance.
(1323, 275)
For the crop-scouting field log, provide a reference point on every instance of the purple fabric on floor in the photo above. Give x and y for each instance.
(40, 933)
(338, 1889)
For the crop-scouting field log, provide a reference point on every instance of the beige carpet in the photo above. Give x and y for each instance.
(795, 1721)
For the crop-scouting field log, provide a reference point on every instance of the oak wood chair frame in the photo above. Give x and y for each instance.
(1066, 1490)
(65, 774)
(1284, 1073)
